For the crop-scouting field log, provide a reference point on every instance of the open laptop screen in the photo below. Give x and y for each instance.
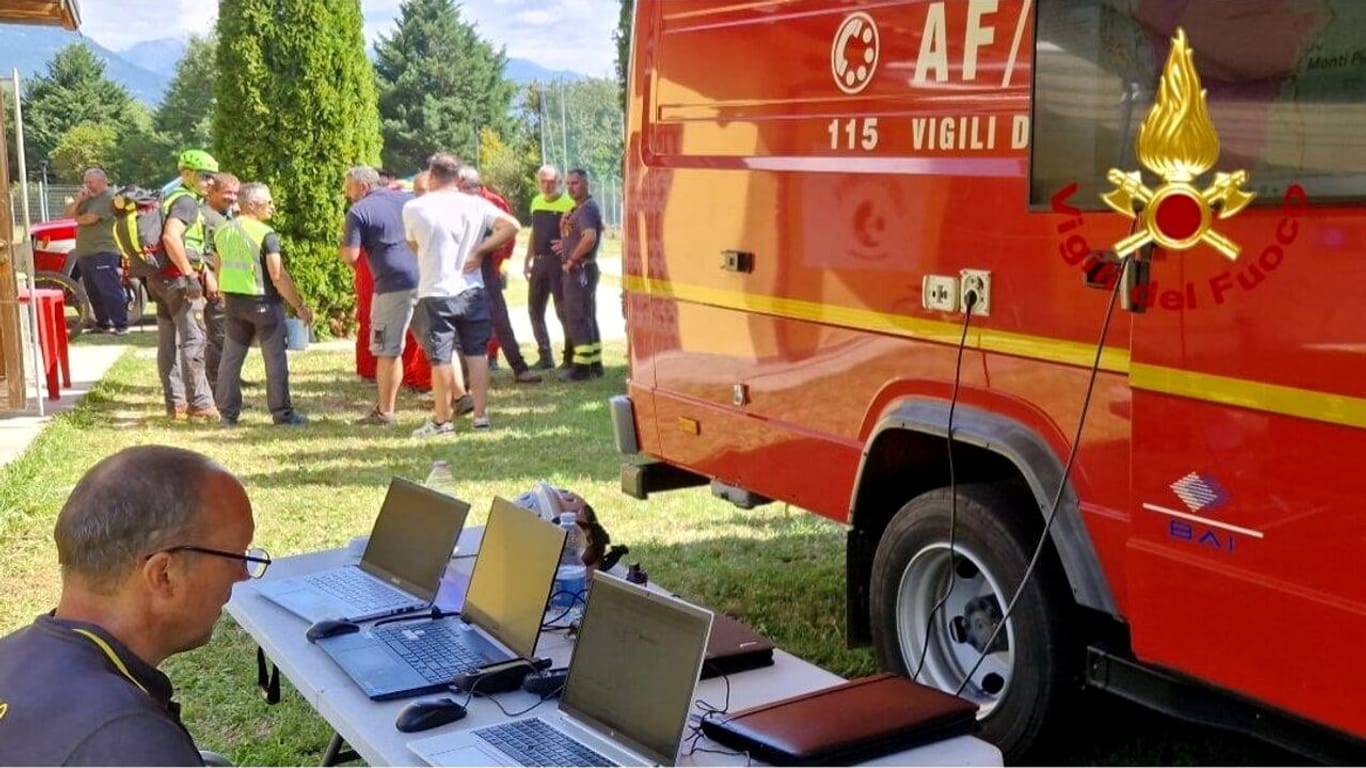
(413, 537)
(513, 576)
(635, 666)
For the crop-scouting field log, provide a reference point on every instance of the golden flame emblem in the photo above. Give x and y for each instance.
(1177, 141)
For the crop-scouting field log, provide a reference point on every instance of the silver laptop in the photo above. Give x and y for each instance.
(626, 701)
(401, 569)
(499, 621)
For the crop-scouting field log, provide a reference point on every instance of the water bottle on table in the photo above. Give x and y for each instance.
(571, 578)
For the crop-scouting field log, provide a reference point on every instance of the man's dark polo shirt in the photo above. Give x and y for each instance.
(63, 701)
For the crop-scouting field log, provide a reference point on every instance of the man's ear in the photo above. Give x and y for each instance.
(161, 575)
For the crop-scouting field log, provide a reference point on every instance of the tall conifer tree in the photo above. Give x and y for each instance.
(440, 83)
(296, 108)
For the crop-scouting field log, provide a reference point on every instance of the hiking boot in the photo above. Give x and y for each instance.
(294, 419)
(430, 428)
(203, 414)
(120, 331)
(596, 370)
(376, 419)
(227, 423)
(481, 424)
(178, 413)
(464, 405)
(545, 362)
(526, 376)
(576, 373)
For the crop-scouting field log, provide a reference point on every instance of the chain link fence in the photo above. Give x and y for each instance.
(45, 201)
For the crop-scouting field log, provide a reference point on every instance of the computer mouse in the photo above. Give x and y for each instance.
(330, 628)
(429, 713)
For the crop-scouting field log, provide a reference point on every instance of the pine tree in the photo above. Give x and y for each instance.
(439, 84)
(74, 90)
(296, 108)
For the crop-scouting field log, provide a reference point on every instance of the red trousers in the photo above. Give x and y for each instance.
(417, 372)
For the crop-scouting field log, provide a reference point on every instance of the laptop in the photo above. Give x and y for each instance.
(499, 621)
(626, 700)
(734, 647)
(400, 571)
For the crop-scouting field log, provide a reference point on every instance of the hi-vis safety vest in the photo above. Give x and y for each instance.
(194, 233)
(238, 245)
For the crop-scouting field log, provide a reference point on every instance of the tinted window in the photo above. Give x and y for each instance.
(1286, 85)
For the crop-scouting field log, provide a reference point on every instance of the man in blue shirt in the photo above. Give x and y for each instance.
(375, 223)
(150, 543)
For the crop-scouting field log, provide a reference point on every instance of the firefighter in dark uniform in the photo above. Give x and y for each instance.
(580, 230)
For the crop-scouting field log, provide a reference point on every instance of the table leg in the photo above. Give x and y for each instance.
(59, 328)
(335, 754)
(47, 344)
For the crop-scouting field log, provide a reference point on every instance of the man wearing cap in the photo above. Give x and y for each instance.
(180, 293)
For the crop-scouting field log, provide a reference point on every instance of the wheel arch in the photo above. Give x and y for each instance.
(987, 446)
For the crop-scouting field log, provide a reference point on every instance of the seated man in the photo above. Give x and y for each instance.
(150, 543)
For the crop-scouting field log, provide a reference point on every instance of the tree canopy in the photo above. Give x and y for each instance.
(185, 116)
(74, 90)
(296, 108)
(440, 83)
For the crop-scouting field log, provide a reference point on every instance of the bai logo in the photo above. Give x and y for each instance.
(1204, 496)
(1178, 143)
(853, 57)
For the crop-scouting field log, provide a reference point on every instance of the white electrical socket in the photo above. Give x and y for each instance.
(940, 293)
(978, 281)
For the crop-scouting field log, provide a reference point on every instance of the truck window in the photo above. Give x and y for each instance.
(1284, 82)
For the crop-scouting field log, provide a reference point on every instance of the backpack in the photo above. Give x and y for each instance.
(137, 231)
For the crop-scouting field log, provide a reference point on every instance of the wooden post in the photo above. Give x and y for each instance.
(12, 390)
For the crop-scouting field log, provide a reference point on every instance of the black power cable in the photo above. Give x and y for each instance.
(970, 301)
(1062, 483)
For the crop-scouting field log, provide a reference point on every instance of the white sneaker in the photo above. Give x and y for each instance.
(481, 424)
(430, 428)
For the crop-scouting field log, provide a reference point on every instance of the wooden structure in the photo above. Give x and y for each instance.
(64, 13)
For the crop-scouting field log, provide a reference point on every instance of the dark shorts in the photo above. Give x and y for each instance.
(450, 323)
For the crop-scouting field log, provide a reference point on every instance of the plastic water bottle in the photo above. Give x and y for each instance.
(571, 578)
(440, 479)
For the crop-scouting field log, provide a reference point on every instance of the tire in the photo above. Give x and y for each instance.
(1035, 663)
(79, 313)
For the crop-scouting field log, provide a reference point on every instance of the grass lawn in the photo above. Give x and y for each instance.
(778, 568)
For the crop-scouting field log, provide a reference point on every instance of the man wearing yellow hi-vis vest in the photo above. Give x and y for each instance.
(255, 286)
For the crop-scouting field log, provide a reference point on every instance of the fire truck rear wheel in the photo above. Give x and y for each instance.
(1030, 667)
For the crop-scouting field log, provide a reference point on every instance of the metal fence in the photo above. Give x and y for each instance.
(45, 201)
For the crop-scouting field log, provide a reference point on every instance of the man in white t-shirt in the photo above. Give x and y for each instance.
(446, 227)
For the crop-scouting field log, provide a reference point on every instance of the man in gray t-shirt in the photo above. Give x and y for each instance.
(97, 254)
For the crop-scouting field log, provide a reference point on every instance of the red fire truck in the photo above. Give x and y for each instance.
(1108, 264)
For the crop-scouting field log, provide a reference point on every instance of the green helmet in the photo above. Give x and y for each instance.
(198, 160)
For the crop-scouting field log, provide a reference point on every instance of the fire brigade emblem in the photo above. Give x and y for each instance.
(1177, 141)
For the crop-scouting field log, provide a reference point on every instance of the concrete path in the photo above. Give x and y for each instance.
(89, 363)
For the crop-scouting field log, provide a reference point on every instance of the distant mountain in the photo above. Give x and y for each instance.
(30, 48)
(523, 71)
(160, 56)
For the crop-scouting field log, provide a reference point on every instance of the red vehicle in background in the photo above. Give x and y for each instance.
(884, 261)
(55, 266)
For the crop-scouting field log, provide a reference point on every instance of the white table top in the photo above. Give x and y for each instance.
(368, 726)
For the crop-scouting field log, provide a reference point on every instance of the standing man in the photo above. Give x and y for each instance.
(375, 222)
(579, 232)
(97, 255)
(150, 543)
(446, 228)
(180, 293)
(256, 284)
(491, 269)
(542, 268)
(219, 206)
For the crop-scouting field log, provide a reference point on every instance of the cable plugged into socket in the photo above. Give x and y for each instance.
(975, 291)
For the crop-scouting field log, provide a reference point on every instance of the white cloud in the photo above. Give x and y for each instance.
(572, 34)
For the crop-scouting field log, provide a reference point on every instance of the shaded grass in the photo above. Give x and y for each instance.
(778, 568)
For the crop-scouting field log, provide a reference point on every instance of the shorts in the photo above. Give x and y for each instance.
(390, 314)
(451, 323)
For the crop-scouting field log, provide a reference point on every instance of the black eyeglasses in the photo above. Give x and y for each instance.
(257, 559)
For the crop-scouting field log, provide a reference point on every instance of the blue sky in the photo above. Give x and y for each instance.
(557, 34)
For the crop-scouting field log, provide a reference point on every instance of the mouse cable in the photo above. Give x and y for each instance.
(543, 699)
(953, 484)
(578, 597)
(433, 614)
(1124, 263)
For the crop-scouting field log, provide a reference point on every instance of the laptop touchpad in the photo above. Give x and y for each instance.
(472, 755)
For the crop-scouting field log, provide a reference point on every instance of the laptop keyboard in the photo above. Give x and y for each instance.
(435, 651)
(533, 742)
(359, 591)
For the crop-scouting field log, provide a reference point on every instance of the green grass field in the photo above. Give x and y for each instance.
(780, 569)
